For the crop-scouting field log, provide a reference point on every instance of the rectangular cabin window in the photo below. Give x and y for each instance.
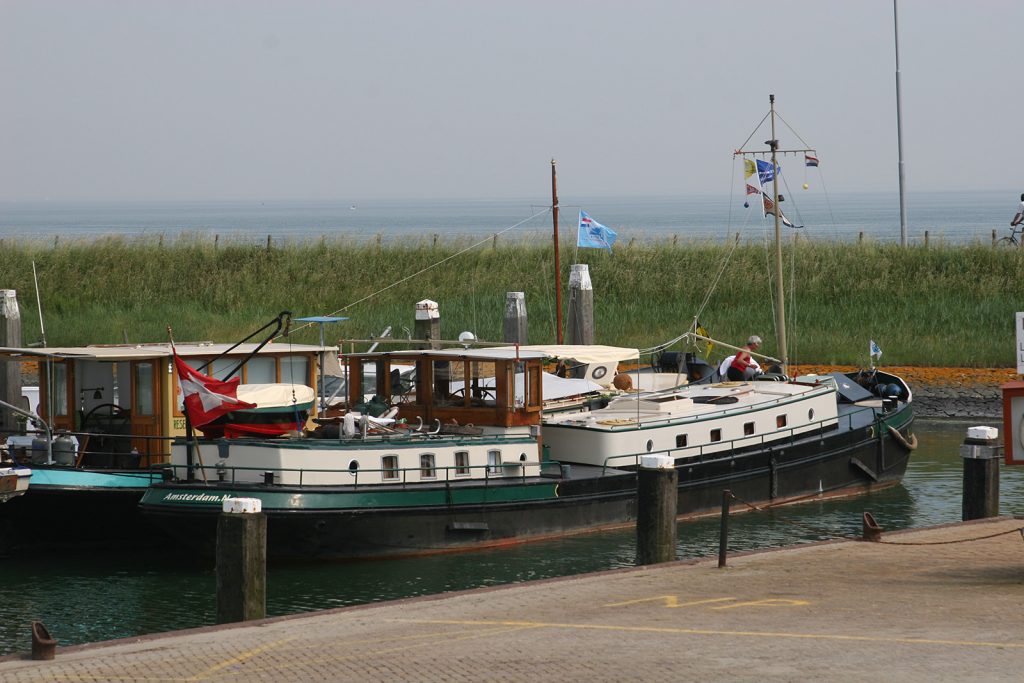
(448, 390)
(261, 370)
(716, 435)
(494, 462)
(482, 384)
(427, 470)
(295, 370)
(144, 390)
(680, 440)
(59, 400)
(222, 366)
(748, 428)
(462, 463)
(389, 463)
(780, 421)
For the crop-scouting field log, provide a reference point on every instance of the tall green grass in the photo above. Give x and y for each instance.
(944, 305)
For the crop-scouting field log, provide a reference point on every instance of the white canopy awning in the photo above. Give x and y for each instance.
(582, 353)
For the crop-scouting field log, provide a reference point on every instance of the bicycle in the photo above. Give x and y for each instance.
(1012, 240)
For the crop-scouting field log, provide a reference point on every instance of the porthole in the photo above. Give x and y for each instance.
(522, 457)
(650, 445)
(600, 371)
(353, 466)
(810, 414)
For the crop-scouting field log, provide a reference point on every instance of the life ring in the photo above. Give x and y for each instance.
(910, 445)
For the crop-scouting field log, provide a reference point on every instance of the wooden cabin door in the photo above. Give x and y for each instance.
(147, 410)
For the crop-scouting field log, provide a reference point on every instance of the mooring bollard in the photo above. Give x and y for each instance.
(241, 561)
(723, 531)
(870, 529)
(43, 645)
(657, 501)
(980, 453)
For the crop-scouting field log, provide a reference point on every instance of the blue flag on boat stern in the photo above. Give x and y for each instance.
(875, 352)
(593, 235)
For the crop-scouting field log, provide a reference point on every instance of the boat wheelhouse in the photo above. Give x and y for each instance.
(114, 410)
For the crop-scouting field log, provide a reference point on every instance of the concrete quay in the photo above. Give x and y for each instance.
(923, 605)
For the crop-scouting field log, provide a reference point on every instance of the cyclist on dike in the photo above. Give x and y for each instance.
(1019, 218)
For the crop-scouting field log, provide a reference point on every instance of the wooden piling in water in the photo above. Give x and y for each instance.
(241, 561)
(581, 305)
(980, 453)
(10, 370)
(428, 323)
(657, 503)
(514, 329)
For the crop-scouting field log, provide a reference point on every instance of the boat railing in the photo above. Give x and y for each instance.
(727, 449)
(96, 450)
(400, 476)
(726, 410)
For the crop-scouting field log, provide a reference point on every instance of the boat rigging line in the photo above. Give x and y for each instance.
(431, 266)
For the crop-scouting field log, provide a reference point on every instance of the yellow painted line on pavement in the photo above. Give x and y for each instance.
(237, 659)
(714, 632)
(441, 635)
(670, 601)
(768, 602)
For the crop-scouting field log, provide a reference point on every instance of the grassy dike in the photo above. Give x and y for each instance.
(939, 306)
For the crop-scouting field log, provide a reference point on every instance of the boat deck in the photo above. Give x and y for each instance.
(836, 611)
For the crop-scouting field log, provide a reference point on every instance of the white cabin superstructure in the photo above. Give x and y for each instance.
(418, 459)
(462, 415)
(691, 421)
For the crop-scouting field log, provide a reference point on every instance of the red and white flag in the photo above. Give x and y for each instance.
(207, 398)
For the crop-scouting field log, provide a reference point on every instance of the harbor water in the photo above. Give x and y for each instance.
(89, 598)
(951, 217)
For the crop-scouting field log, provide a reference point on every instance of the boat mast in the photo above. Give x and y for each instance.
(780, 309)
(780, 294)
(558, 267)
(899, 131)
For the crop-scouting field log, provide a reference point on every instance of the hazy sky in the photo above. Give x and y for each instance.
(345, 100)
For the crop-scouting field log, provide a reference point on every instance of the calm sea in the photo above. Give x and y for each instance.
(92, 598)
(954, 217)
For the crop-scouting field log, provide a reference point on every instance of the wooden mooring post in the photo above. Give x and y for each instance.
(241, 561)
(428, 323)
(581, 305)
(723, 530)
(980, 453)
(657, 502)
(515, 329)
(10, 371)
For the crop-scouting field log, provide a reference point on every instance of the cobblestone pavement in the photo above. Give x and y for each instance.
(840, 611)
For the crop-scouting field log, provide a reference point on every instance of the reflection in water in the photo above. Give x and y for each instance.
(92, 598)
